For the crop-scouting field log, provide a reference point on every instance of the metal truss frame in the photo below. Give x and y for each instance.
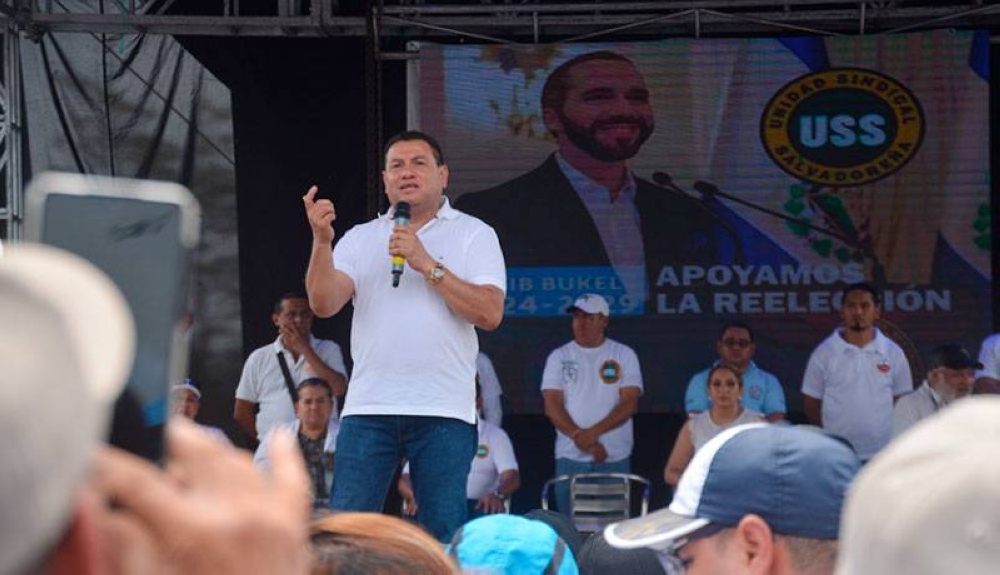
(11, 158)
(507, 21)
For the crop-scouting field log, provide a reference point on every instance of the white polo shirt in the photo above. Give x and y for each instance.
(590, 379)
(263, 383)
(412, 355)
(856, 386)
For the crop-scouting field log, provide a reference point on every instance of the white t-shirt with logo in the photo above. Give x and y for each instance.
(590, 379)
(412, 354)
(494, 455)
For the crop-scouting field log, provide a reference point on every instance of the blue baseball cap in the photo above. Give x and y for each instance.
(794, 478)
(512, 545)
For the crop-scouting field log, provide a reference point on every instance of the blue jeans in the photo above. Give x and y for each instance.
(440, 452)
(571, 467)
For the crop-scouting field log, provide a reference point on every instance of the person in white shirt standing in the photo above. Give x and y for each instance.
(412, 392)
(264, 381)
(855, 376)
(591, 387)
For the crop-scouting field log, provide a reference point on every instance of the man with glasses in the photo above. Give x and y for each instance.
(762, 391)
(757, 498)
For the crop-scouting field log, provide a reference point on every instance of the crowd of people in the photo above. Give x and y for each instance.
(753, 493)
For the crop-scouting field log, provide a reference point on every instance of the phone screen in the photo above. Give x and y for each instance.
(140, 234)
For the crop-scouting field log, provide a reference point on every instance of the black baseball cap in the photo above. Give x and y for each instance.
(953, 356)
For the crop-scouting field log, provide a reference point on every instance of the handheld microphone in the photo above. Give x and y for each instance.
(401, 217)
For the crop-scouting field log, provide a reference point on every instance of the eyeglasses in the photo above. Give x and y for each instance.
(670, 561)
(733, 342)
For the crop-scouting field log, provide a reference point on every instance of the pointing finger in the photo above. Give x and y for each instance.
(310, 195)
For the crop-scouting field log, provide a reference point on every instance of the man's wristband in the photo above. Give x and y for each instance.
(576, 434)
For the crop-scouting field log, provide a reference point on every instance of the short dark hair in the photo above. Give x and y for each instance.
(557, 84)
(738, 324)
(861, 286)
(414, 135)
(315, 382)
(287, 296)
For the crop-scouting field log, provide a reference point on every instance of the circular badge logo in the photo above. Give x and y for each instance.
(842, 127)
(611, 372)
(483, 451)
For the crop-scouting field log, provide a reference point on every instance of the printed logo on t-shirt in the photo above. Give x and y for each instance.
(755, 391)
(611, 372)
(483, 451)
(569, 370)
(883, 367)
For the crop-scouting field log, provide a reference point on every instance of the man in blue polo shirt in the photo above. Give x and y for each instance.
(762, 391)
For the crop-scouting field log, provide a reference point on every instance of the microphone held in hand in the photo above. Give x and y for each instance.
(401, 217)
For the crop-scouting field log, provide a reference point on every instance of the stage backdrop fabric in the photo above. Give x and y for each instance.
(882, 140)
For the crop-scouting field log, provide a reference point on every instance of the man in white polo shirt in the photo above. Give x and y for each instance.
(263, 381)
(412, 393)
(855, 376)
(591, 387)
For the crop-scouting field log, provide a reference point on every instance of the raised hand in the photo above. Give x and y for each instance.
(321, 215)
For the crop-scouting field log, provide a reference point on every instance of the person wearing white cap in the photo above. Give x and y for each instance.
(758, 498)
(71, 506)
(185, 400)
(591, 388)
(929, 503)
(988, 376)
(950, 377)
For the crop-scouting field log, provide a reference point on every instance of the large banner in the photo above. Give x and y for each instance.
(696, 181)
